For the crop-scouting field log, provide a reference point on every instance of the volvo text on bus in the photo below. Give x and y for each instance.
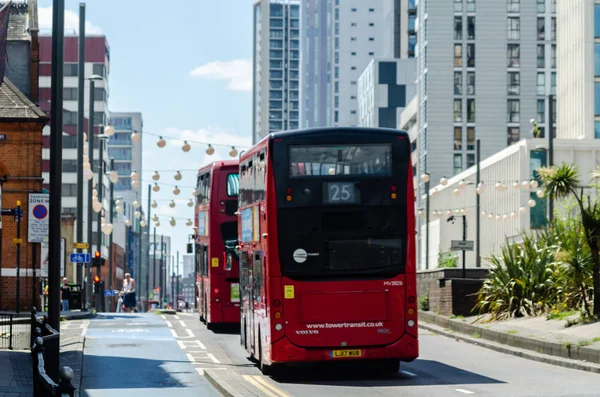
(216, 263)
(327, 248)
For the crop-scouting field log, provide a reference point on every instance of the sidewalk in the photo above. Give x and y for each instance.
(553, 341)
(16, 372)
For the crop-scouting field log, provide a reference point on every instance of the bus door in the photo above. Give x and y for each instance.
(203, 254)
(257, 283)
(246, 297)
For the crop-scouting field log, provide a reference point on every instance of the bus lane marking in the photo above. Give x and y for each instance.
(268, 384)
(197, 343)
(260, 387)
(408, 373)
(190, 334)
(182, 324)
(201, 370)
(205, 355)
(169, 324)
(465, 391)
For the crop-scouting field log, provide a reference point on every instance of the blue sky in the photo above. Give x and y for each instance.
(186, 66)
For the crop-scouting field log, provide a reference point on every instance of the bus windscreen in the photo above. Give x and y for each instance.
(335, 160)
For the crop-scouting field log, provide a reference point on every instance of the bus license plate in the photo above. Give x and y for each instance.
(345, 353)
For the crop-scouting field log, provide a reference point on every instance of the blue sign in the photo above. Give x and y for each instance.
(80, 258)
(247, 225)
(109, 292)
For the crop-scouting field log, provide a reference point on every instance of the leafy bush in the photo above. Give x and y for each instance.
(424, 302)
(447, 260)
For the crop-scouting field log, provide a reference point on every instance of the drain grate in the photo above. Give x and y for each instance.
(124, 345)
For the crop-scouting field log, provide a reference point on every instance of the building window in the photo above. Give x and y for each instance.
(470, 5)
(471, 28)
(514, 111)
(70, 70)
(371, 38)
(69, 118)
(371, 24)
(352, 38)
(553, 56)
(457, 138)
(541, 6)
(541, 84)
(471, 55)
(553, 83)
(553, 29)
(353, 68)
(353, 10)
(470, 110)
(371, 53)
(70, 94)
(597, 59)
(99, 69)
(353, 53)
(597, 20)
(514, 55)
(470, 138)
(514, 83)
(541, 111)
(470, 159)
(457, 163)
(513, 135)
(597, 129)
(458, 28)
(541, 56)
(458, 83)
(514, 5)
(353, 24)
(457, 55)
(458, 110)
(541, 28)
(458, 5)
(514, 28)
(371, 10)
(470, 83)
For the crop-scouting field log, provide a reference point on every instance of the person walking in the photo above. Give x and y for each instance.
(65, 294)
(129, 291)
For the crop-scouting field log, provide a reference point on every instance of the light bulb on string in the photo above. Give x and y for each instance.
(172, 222)
(522, 210)
(483, 213)
(210, 150)
(190, 203)
(435, 192)
(491, 216)
(86, 158)
(88, 174)
(155, 218)
(449, 213)
(540, 193)
(505, 217)
(516, 185)
(86, 150)
(136, 204)
(498, 217)
(177, 176)
(137, 214)
(189, 222)
(87, 166)
(194, 192)
(534, 184)
(154, 204)
(127, 222)
(136, 137)
(135, 184)
(513, 214)
(156, 176)
(161, 143)
(156, 188)
(525, 184)
(135, 176)
(142, 223)
(462, 184)
(456, 192)
(157, 224)
(443, 181)
(94, 193)
(186, 147)
(172, 204)
(176, 191)
(109, 130)
(425, 178)
(118, 209)
(531, 203)
(233, 152)
(498, 186)
(113, 176)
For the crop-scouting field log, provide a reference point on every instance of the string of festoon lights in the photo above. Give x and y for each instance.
(186, 147)
(500, 186)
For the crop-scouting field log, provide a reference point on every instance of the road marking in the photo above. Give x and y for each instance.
(408, 373)
(169, 324)
(182, 343)
(201, 370)
(129, 330)
(182, 323)
(189, 331)
(250, 380)
(266, 383)
(173, 332)
(212, 357)
(465, 391)
(208, 355)
(163, 317)
(176, 317)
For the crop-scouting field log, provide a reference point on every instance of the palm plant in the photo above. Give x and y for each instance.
(563, 181)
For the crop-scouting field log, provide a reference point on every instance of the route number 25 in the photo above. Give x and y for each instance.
(341, 192)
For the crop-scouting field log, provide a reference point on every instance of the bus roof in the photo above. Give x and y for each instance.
(215, 165)
(352, 130)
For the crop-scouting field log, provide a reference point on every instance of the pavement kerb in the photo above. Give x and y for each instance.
(221, 384)
(577, 357)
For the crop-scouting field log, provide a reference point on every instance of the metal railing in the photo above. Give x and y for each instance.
(43, 385)
(15, 331)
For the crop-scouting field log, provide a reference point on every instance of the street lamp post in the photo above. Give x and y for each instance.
(464, 238)
(148, 249)
(111, 205)
(80, 132)
(478, 208)
(426, 178)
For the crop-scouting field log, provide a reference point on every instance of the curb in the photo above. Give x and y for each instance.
(221, 384)
(577, 357)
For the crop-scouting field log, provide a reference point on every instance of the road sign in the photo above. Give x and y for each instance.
(2, 137)
(457, 245)
(17, 241)
(81, 246)
(38, 217)
(44, 258)
(109, 292)
(80, 258)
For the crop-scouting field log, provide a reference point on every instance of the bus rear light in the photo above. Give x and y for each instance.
(411, 323)
(278, 327)
(393, 188)
(217, 300)
(411, 311)
(277, 315)
(411, 299)
(393, 196)
(276, 303)
(288, 191)
(216, 290)
(222, 202)
(288, 198)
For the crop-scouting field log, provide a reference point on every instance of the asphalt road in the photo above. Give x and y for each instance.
(446, 367)
(128, 354)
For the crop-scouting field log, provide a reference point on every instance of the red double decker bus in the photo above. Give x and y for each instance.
(327, 248)
(216, 263)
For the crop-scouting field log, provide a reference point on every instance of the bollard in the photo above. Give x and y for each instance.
(65, 386)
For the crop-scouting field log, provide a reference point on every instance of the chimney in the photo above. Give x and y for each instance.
(34, 66)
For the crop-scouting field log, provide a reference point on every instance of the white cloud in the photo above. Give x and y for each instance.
(71, 21)
(237, 72)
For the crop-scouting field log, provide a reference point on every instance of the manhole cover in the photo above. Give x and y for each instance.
(124, 345)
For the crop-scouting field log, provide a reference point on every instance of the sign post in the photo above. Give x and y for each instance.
(463, 246)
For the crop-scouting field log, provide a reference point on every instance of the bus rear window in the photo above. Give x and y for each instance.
(233, 184)
(350, 160)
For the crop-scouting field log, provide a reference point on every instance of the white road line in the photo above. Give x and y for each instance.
(213, 358)
(182, 323)
(250, 380)
(408, 373)
(173, 332)
(266, 383)
(176, 317)
(189, 331)
(163, 316)
(169, 324)
(465, 391)
(201, 370)
(197, 342)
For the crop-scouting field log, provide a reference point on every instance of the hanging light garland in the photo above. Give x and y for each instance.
(186, 146)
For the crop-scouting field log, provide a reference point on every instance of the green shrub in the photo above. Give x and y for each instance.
(447, 260)
(424, 302)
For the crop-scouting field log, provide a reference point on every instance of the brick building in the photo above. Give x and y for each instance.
(21, 124)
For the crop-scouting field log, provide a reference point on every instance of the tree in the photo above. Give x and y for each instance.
(562, 182)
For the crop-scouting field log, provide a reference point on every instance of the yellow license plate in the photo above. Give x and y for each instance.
(345, 353)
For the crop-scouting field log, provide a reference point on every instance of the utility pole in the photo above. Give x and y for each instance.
(18, 219)
(100, 189)
(80, 141)
(464, 253)
(177, 279)
(550, 130)
(154, 261)
(110, 220)
(427, 221)
(140, 238)
(56, 131)
(90, 215)
(478, 208)
(148, 250)
(162, 290)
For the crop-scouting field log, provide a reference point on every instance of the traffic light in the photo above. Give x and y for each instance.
(190, 248)
(97, 260)
(97, 285)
